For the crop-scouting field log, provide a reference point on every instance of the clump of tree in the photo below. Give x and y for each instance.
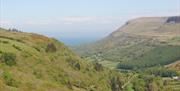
(161, 55)
(8, 58)
(162, 72)
(13, 30)
(51, 48)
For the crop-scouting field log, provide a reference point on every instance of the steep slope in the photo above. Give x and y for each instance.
(32, 62)
(140, 43)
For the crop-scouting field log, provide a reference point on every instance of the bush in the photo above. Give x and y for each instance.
(17, 47)
(37, 49)
(51, 48)
(78, 66)
(69, 85)
(9, 58)
(5, 42)
(37, 73)
(1, 52)
(98, 67)
(9, 79)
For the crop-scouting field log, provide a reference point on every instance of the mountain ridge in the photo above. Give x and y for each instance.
(136, 37)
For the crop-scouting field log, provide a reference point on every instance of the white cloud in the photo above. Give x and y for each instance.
(78, 23)
(77, 19)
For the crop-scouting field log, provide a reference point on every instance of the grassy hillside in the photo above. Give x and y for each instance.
(32, 62)
(140, 43)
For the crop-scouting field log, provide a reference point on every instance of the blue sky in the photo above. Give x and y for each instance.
(79, 20)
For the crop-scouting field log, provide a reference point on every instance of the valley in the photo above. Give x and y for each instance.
(123, 61)
(89, 45)
(148, 45)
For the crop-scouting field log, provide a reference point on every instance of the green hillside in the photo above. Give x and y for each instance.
(32, 62)
(140, 43)
(158, 56)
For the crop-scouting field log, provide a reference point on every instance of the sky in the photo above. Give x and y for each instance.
(79, 21)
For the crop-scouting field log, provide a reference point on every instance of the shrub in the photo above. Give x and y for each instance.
(9, 58)
(78, 66)
(69, 85)
(37, 49)
(5, 42)
(9, 79)
(98, 67)
(74, 63)
(17, 47)
(51, 48)
(37, 73)
(1, 52)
